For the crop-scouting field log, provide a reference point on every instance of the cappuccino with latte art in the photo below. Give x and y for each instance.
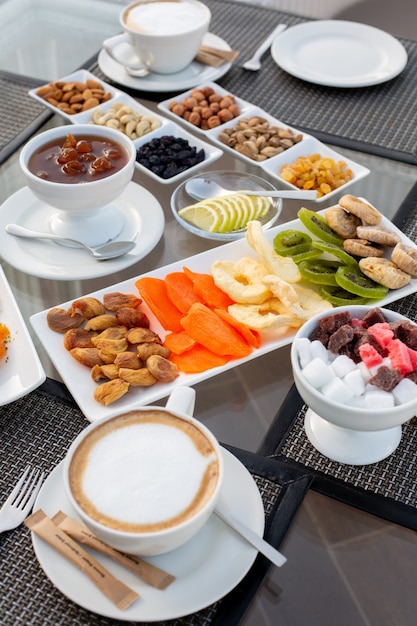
(144, 471)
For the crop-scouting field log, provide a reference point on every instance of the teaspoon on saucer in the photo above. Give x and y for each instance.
(257, 542)
(202, 189)
(105, 252)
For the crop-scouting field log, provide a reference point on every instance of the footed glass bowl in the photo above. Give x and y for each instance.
(229, 180)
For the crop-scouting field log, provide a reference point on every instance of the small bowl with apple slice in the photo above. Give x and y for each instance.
(224, 218)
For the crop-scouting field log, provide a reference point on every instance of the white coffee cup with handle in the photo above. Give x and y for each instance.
(145, 481)
(164, 35)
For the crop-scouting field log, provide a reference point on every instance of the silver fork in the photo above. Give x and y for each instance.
(254, 63)
(18, 505)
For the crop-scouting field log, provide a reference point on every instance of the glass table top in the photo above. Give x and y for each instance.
(46, 39)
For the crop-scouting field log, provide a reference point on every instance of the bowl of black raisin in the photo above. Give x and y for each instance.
(172, 153)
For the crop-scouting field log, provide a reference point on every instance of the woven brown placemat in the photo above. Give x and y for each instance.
(387, 488)
(38, 429)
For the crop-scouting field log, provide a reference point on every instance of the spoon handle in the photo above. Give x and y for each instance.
(267, 43)
(257, 542)
(21, 231)
(294, 195)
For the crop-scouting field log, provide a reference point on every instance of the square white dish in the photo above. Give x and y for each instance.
(20, 370)
(253, 111)
(307, 145)
(212, 153)
(77, 377)
(164, 106)
(311, 145)
(104, 109)
(78, 76)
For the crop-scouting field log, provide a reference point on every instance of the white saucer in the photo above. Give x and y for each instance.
(193, 75)
(144, 222)
(206, 568)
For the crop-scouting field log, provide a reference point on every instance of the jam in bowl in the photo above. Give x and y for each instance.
(80, 171)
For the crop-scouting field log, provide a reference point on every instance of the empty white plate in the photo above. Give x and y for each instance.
(339, 53)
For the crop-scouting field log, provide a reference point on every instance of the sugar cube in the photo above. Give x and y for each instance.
(355, 382)
(337, 390)
(405, 391)
(378, 399)
(318, 373)
(303, 347)
(342, 365)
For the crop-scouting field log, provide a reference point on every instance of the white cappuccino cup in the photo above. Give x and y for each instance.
(164, 35)
(146, 481)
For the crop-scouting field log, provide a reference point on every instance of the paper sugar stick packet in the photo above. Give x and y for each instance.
(214, 56)
(149, 573)
(121, 595)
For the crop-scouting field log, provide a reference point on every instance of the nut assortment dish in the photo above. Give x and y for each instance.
(74, 95)
(246, 290)
(204, 107)
(258, 138)
(114, 109)
(294, 159)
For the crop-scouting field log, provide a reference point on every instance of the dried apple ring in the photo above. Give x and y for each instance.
(241, 280)
(264, 317)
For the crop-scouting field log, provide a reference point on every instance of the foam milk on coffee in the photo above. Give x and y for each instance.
(164, 18)
(144, 471)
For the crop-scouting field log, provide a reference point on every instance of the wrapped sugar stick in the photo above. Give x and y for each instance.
(149, 573)
(116, 591)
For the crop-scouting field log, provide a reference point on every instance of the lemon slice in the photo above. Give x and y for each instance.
(222, 211)
(204, 216)
(260, 206)
(242, 207)
(226, 213)
(228, 206)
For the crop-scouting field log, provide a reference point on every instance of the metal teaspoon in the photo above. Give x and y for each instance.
(105, 252)
(202, 189)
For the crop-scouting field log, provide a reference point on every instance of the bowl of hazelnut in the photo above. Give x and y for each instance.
(80, 171)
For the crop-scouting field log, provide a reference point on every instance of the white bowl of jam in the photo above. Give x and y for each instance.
(80, 171)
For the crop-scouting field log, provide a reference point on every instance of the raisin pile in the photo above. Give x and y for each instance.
(168, 156)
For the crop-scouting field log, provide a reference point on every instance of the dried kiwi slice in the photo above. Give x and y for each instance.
(291, 242)
(320, 271)
(312, 253)
(317, 225)
(336, 251)
(340, 297)
(353, 280)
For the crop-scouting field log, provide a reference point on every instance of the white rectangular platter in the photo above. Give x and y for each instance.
(21, 370)
(77, 377)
